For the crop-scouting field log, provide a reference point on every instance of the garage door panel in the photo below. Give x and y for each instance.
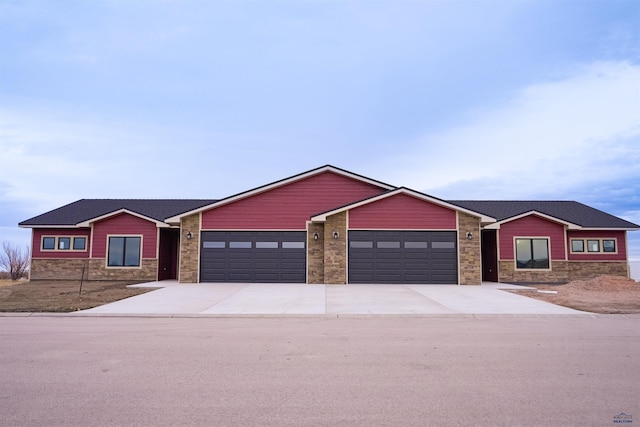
(403, 257)
(253, 256)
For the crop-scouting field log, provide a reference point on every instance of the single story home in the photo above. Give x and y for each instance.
(332, 226)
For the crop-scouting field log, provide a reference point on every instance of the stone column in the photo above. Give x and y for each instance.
(335, 249)
(189, 249)
(469, 250)
(315, 253)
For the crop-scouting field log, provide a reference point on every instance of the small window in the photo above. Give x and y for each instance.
(266, 245)
(608, 245)
(49, 243)
(213, 245)
(124, 252)
(361, 245)
(388, 245)
(443, 245)
(577, 246)
(79, 243)
(292, 245)
(532, 253)
(64, 243)
(593, 245)
(416, 245)
(240, 245)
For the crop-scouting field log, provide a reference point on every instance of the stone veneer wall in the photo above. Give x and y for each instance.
(58, 269)
(561, 271)
(315, 253)
(189, 249)
(470, 262)
(335, 250)
(148, 271)
(95, 269)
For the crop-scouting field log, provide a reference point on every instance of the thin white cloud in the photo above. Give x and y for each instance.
(575, 130)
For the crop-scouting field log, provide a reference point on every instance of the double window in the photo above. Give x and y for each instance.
(593, 246)
(532, 253)
(64, 243)
(124, 251)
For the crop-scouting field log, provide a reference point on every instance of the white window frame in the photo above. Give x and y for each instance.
(56, 242)
(600, 245)
(515, 252)
(130, 267)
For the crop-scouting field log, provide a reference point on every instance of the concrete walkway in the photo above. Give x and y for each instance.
(300, 299)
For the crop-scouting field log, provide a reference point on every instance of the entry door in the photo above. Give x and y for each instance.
(404, 257)
(253, 256)
(489, 248)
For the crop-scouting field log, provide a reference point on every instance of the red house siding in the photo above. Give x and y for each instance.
(289, 207)
(122, 225)
(532, 226)
(402, 212)
(38, 233)
(621, 245)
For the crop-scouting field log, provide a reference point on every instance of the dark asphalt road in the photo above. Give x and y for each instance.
(421, 371)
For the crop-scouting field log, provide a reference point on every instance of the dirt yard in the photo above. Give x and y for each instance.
(604, 294)
(63, 296)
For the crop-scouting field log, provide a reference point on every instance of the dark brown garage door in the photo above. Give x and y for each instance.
(412, 257)
(253, 256)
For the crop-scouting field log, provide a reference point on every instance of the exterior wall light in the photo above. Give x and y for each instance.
(335, 235)
(315, 236)
(469, 236)
(189, 235)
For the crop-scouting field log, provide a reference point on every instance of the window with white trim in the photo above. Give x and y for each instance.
(64, 243)
(594, 246)
(124, 251)
(532, 253)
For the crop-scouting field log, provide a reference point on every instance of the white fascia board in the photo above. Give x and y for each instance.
(421, 196)
(88, 223)
(246, 194)
(570, 225)
(47, 226)
(609, 229)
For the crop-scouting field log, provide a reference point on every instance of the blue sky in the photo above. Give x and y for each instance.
(204, 99)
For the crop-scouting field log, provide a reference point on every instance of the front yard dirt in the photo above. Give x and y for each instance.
(603, 294)
(61, 296)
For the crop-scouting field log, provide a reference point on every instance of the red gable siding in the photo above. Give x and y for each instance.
(123, 225)
(38, 233)
(402, 212)
(289, 207)
(532, 226)
(621, 245)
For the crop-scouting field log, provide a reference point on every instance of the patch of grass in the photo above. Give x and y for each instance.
(62, 296)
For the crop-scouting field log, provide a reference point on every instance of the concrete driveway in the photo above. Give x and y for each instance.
(216, 299)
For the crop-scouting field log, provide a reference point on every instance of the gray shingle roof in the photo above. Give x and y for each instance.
(86, 209)
(161, 209)
(570, 211)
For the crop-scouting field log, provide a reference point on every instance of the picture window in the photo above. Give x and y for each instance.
(124, 251)
(532, 253)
